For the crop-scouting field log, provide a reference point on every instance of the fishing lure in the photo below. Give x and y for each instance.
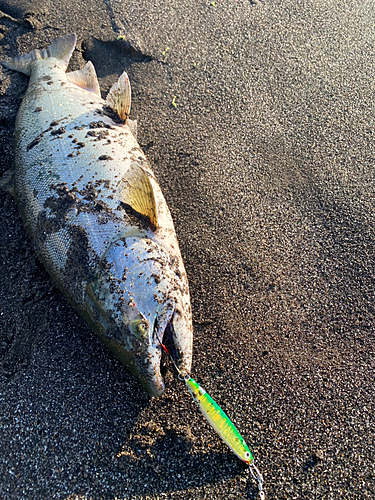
(219, 421)
(221, 424)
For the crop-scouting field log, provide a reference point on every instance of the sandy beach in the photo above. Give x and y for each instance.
(258, 120)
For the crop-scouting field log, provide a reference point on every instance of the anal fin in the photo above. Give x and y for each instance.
(119, 97)
(85, 78)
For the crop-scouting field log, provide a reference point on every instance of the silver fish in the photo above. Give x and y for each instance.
(96, 214)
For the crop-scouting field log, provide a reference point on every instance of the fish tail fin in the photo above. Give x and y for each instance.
(60, 49)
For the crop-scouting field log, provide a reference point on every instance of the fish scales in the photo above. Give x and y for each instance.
(96, 214)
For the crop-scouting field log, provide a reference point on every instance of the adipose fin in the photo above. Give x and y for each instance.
(85, 78)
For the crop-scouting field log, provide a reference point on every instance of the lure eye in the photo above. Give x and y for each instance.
(247, 455)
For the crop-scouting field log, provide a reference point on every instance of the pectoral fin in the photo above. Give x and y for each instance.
(119, 97)
(136, 192)
(85, 78)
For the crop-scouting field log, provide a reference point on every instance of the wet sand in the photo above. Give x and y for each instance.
(266, 162)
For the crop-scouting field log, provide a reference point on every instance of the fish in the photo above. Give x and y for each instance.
(96, 214)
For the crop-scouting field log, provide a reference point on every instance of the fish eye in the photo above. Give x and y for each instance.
(138, 327)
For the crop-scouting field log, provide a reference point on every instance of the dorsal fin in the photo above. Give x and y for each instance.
(119, 97)
(136, 191)
(85, 78)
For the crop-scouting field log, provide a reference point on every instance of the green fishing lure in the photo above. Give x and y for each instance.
(224, 427)
(219, 421)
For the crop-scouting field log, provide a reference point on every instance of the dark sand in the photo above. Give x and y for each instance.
(267, 164)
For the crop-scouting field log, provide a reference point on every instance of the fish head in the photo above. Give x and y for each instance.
(140, 301)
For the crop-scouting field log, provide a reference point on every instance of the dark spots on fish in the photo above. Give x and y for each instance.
(90, 193)
(45, 131)
(38, 109)
(101, 206)
(81, 263)
(62, 84)
(79, 128)
(100, 124)
(140, 220)
(70, 136)
(35, 193)
(103, 217)
(49, 83)
(33, 143)
(105, 157)
(71, 155)
(79, 146)
(46, 78)
(59, 131)
(173, 260)
(54, 123)
(98, 134)
(64, 200)
(106, 183)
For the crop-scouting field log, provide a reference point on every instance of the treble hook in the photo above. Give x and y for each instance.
(258, 478)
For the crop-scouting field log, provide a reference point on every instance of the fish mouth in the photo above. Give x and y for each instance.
(171, 331)
(169, 344)
(166, 338)
(163, 337)
(163, 331)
